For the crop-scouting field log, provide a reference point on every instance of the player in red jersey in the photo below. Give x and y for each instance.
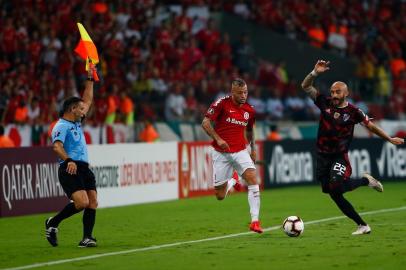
(336, 128)
(230, 121)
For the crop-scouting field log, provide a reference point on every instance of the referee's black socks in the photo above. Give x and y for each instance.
(66, 212)
(89, 218)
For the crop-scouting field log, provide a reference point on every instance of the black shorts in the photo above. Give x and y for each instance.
(332, 170)
(83, 179)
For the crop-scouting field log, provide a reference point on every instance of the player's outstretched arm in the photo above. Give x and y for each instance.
(208, 128)
(88, 93)
(307, 84)
(381, 133)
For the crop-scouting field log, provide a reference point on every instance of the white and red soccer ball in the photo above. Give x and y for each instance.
(293, 226)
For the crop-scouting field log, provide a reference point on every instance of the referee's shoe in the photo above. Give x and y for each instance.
(88, 242)
(50, 233)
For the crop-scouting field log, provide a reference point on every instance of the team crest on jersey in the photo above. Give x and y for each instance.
(246, 115)
(346, 116)
(75, 135)
(210, 111)
(336, 115)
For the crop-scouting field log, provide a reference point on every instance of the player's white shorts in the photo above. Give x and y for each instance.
(224, 165)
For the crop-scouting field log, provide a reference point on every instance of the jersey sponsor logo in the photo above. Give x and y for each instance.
(346, 116)
(75, 135)
(246, 115)
(336, 115)
(232, 111)
(237, 122)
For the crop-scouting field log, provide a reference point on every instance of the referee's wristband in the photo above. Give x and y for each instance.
(314, 73)
(68, 160)
(90, 79)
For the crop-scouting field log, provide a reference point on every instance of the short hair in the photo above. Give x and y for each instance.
(238, 82)
(68, 104)
(1, 130)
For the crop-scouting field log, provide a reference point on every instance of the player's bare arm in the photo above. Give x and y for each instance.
(251, 140)
(207, 126)
(60, 151)
(88, 93)
(381, 133)
(307, 84)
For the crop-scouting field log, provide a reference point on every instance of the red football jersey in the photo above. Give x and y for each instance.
(230, 122)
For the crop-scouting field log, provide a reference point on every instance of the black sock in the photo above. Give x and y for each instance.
(352, 184)
(89, 218)
(66, 212)
(346, 207)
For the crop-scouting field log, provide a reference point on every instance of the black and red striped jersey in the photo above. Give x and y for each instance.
(336, 126)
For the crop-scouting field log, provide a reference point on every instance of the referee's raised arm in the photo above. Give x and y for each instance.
(88, 93)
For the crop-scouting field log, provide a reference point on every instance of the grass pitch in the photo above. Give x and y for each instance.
(161, 235)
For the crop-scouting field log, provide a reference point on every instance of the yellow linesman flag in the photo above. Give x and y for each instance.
(86, 49)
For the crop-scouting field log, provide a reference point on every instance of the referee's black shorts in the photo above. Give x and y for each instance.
(83, 179)
(332, 170)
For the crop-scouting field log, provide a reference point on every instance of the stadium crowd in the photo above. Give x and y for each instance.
(371, 32)
(169, 62)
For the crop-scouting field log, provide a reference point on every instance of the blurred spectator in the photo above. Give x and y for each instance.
(295, 105)
(241, 8)
(192, 108)
(397, 64)
(337, 36)
(312, 111)
(142, 86)
(316, 35)
(255, 99)
(113, 103)
(127, 108)
(5, 140)
(273, 134)
(37, 131)
(21, 113)
(175, 104)
(244, 53)
(33, 110)
(384, 84)
(274, 106)
(157, 83)
(149, 133)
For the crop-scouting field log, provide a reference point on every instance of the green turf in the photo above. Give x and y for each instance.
(327, 245)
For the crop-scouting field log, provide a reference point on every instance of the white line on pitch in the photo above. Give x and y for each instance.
(35, 265)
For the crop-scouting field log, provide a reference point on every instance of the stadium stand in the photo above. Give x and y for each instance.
(168, 62)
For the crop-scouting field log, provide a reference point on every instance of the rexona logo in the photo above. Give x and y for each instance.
(293, 167)
(360, 162)
(392, 161)
(237, 122)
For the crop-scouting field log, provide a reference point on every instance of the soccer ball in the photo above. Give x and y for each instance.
(293, 226)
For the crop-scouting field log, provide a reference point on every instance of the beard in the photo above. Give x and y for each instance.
(338, 101)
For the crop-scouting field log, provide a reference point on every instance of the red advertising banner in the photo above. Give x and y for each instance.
(196, 169)
(29, 181)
